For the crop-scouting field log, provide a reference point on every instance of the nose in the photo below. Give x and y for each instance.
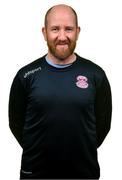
(62, 35)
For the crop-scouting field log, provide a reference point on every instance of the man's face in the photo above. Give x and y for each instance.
(61, 33)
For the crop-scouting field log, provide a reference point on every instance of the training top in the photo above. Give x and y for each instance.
(60, 116)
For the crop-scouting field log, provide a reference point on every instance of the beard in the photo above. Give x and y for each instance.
(61, 49)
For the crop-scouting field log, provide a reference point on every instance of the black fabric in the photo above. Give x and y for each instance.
(60, 117)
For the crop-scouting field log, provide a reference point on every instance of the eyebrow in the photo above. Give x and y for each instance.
(57, 26)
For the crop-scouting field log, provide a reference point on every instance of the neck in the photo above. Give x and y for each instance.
(68, 60)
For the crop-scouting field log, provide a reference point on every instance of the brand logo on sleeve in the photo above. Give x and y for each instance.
(26, 172)
(82, 82)
(32, 72)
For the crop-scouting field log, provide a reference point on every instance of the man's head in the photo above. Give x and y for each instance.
(61, 31)
(60, 6)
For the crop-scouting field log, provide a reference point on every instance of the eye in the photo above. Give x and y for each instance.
(54, 29)
(69, 29)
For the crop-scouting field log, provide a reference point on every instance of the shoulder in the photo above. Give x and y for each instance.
(31, 68)
(91, 67)
(89, 64)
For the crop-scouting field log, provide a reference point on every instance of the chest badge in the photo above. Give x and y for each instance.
(82, 82)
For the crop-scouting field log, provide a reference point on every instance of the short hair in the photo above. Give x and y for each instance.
(49, 10)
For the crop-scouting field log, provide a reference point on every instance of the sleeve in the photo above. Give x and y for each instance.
(17, 107)
(103, 109)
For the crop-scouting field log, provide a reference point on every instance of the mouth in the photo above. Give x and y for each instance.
(62, 43)
(62, 46)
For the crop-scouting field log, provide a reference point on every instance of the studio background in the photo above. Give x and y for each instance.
(21, 42)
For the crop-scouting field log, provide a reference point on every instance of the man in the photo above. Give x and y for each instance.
(60, 106)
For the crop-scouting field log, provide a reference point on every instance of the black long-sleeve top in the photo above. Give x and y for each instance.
(60, 117)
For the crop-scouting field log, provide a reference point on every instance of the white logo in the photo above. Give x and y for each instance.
(26, 172)
(32, 72)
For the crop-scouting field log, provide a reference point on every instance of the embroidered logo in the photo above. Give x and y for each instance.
(82, 82)
(26, 172)
(32, 72)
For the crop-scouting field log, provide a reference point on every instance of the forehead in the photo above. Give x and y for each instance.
(60, 16)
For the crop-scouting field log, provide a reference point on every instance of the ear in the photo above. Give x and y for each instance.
(78, 31)
(44, 33)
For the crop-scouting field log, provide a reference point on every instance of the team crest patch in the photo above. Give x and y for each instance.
(82, 82)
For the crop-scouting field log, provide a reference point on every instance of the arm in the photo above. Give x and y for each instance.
(17, 106)
(103, 110)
